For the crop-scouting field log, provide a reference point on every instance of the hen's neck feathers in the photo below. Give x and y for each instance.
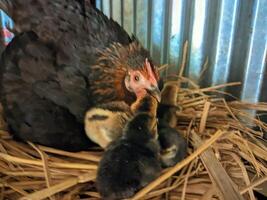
(111, 68)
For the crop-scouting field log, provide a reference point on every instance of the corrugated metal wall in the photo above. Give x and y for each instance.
(231, 34)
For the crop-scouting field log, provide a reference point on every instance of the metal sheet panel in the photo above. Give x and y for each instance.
(225, 31)
(175, 36)
(116, 11)
(198, 32)
(143, 22)
(255, 65)
(129, 16)
(231, 34)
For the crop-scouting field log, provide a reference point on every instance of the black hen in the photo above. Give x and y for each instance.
(66, 58)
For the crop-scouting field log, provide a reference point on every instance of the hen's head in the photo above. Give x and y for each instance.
(143, 80)
(133, 73)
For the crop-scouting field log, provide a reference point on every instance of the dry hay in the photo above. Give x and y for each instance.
(224, 150)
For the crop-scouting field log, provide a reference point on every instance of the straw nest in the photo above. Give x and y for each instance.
(226, 157)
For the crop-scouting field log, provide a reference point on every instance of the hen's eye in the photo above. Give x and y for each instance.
(136, 78)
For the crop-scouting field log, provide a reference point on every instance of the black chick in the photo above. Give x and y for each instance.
(132, 161)
(173, 144)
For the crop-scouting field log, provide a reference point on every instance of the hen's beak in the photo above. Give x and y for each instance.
(155, 92)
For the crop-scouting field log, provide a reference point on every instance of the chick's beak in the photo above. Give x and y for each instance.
(155, 92)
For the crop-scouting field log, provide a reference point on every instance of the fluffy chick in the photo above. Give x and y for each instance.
(173, 144)
(132, 161)
(104, 123)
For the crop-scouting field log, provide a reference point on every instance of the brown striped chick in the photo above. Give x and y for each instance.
(104, 123)
(173, 144)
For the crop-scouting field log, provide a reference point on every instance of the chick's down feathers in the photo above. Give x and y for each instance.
(104, 123)
(173, 144)
(132, 161)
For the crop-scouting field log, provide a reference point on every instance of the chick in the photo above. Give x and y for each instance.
(173, 144)
(132, 161)
(104, 123)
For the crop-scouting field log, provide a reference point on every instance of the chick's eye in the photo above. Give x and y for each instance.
(136, 78)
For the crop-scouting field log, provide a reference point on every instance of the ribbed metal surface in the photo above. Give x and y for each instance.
(231, 34)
